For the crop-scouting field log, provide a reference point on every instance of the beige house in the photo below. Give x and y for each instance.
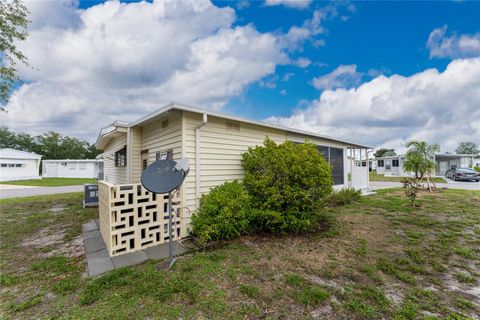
(212, 142)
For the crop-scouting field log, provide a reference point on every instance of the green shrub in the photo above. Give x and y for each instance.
(477, 169)
(224, 213)
(288, 184)
(344, 197)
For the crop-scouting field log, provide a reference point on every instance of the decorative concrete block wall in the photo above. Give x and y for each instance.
(132, 218)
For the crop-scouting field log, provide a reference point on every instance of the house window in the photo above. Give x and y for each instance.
(11, 165)
(165, 155)
(395, 163)
(121, 157)
(72, 165)
(82, 166)
(232, 125)
(380, 163)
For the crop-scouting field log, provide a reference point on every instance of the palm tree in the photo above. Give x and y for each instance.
(419, 159)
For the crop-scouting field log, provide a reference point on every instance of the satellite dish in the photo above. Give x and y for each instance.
(165, 176)
(162, 176)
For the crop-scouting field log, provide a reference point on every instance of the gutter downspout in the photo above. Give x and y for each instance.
(197, 159)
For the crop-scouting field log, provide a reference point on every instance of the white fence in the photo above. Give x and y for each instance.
(132, 218)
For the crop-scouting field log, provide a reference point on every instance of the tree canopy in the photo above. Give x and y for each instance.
(50, 145)
(468, 148)
(13, 28)
(384, 152)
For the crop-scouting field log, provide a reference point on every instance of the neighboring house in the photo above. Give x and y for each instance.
(18, 165)
(212, 142)
(71, 168)
(393, 165)
(476, 162)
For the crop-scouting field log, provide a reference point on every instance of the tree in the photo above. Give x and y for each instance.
(13, 28)
(468, 148)
(51, 145)
(383, 152)
(419, 158)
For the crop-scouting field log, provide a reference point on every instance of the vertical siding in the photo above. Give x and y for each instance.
(157, 139)
(221, 151)
(136, 158)
(112, 174)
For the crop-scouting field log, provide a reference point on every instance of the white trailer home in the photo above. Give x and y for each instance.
(213, 143)
(71, 168)
(18, 165)
(393, 165)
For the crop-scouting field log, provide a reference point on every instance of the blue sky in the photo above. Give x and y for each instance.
(386, 36)
(380, 73)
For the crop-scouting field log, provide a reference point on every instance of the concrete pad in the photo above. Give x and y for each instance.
(161, 251)
(129, 259)
(91, 234)
(99, 262)
(94, 244)
(90, 226)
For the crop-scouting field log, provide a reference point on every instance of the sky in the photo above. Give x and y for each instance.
(378, 73)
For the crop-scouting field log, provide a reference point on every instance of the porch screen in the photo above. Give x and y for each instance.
(334, 157)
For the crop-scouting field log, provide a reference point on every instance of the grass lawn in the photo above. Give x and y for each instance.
(51, 182)
(382, 260)
(380, 177)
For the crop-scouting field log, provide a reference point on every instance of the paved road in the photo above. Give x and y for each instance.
(9, 191)
(375, 185)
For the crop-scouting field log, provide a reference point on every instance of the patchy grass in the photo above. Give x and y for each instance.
(51, 182)
(381, 259)
(380, 177)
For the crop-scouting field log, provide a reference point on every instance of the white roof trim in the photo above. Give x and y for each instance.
(176, 106)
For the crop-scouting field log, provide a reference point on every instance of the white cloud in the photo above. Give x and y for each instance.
(287, 76)
(442, 45)
(441, 107)
(283, 92)
(295, 4)
(344, 76)
(312, 28)
(118, 60)
(302, 62)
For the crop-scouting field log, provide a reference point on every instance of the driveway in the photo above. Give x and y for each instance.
(463, 185)
(11, 191)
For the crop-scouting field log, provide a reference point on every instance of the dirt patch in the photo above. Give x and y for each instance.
(44, 237)
(72, 249)
(57, 208)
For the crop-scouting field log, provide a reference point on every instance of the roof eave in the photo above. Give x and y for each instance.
(182, 107)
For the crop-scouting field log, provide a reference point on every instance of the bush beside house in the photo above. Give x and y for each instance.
(284, 190)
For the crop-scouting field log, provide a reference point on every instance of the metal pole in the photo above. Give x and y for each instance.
(170, 237)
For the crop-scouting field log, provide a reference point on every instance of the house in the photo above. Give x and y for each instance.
(393, 165)
(213, 143)
(476, 162)
(18, 165)
(68, 168)
(390, 165)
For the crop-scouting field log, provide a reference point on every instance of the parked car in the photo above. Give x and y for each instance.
(463, 174)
